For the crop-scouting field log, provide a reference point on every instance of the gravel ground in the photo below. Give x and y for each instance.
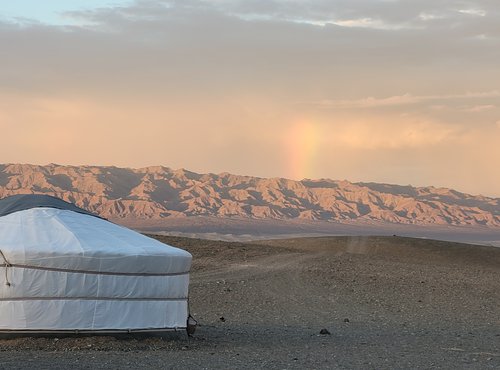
(382, 302)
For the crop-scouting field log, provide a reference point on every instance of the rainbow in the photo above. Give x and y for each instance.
(302, 147)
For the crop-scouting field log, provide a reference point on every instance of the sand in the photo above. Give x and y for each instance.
(386, 302)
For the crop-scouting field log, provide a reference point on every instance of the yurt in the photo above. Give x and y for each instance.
(68, 270)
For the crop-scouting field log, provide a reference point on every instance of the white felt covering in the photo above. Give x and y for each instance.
(71, 271)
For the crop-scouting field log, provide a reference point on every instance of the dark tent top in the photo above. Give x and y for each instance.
(23, 202)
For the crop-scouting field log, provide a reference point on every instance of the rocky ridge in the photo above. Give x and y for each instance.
(154, 193)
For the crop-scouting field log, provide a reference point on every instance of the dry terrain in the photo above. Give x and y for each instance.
(386, 302)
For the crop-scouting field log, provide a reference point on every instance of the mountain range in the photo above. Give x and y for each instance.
(155, 193)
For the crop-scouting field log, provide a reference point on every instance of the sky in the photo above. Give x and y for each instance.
(392, 91)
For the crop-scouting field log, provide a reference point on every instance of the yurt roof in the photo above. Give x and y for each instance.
(22, 202)
(45, 232)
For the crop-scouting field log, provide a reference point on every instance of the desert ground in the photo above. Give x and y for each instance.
(380, 302)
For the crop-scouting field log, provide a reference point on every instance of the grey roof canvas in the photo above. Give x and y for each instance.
(22, 202)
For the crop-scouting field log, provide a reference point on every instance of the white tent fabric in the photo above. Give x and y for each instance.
(65, 270)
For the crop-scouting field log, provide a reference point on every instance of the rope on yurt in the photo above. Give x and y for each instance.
(7, 265)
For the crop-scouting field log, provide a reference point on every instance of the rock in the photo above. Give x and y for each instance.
(191, 325)
(222, 319)
(346, 320)
(324, 332)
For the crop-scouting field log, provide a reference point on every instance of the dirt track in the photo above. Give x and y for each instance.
(387, 302)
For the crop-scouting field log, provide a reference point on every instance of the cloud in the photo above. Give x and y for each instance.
(371, 14)
(227, 44)
(366, 23)
(430, 17)
(383, 135)
(407, 99)
(370, 102)
(479, 108)
(477, 12)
